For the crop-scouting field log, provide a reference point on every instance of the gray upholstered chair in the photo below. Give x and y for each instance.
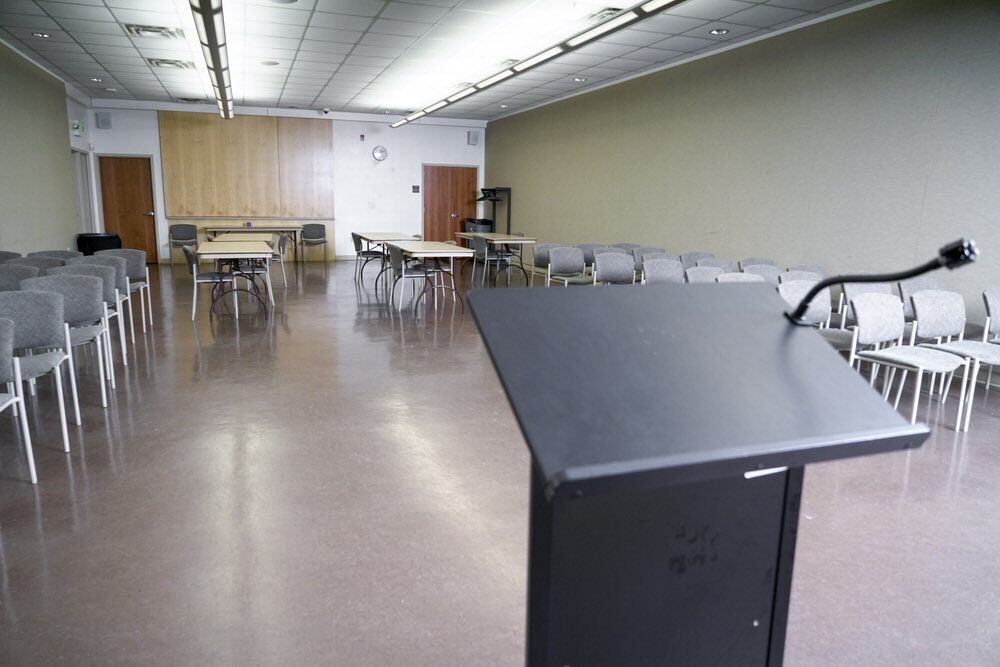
(880, 323)
(206, 277)
(108, 276)
(10, 375)
(6, 255)
(794, 274)
(566, 266)
(83, 316)
(907, 288)
(811, 268)
(39, 328)
(540, 259)
(402, 271)
(850, 290)
(361, 257)
(753, 261)
(182, 234)
(485, 255)
(662, 270)
(314, 233)
(611, 268)
(703, 274)
(991, 327)
(940, 315)
(122, 294)
(588, 251)
(279, 255)
(769, 272)
(819, 312)
(63, 254)
(11, 276)
(40, 262)
(723, 264)
(625, 246)
(138, 280)
(690, 259)
(642, 251)
(736, 277)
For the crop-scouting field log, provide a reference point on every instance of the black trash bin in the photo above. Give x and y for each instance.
(88, 244)
(478, 225)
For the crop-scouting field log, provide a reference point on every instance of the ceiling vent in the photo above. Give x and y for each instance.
(192, 100)
(507, 63)
(167, 63)
(156, 31)
(604, 14)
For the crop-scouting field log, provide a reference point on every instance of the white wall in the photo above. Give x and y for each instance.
(377, 196)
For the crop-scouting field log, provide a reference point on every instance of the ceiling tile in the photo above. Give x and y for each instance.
(28, 21)
(392, 41)
(84, 27)
(735, 31)
(634, 37)
(405, 11)
(654, 55)
(340, 21)
(65, 10)
(97, 38)
(274, 14)
(327, 35)
(763, 16)
(710, 10)
(325, 47)
(287, 30)
(605, 50)
(806, 5)
(381, 63)
(312, 66)
(356, 7)
(685, 44)
(26, 7)
(669, 24)
(169, 19)
(388, 27)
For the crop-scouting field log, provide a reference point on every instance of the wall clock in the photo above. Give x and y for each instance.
(380, 153)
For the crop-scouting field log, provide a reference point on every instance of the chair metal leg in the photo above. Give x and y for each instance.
(72, 374)
(131, 318)
(57, 371)
(972, 392)
(23, 416)
(916, 396)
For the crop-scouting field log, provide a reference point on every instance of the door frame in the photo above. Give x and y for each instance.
(153, 173)
(423, 187)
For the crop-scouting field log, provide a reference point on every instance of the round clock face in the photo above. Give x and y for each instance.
(380, 153)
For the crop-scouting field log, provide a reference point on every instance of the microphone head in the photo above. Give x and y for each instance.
(957, 253)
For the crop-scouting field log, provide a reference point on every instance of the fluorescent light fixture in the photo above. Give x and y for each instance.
(414, 116)
(211, 28)
(435, 107)
(654, 5)
(398, 123)
(540, 58)
(607, 26)
(463, 93)
(496, 78)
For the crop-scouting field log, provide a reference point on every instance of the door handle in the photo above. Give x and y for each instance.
(454, 215)
(151, 214)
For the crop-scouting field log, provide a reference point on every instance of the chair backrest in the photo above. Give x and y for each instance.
(107, 274)
(625, 246)
(37, 317)
(991, 299)
(703, 274)
(8, 254)
(723, 264)
(852, 290)
(135, 261)
(907, 288)
(662, 270)
(191, 259)
(56, 253)
(769, 272)
(117, 263)
(6, 350)
(314, 231)
(646, 256)
(736, 277)
(481, 247)
(183, 232)
(283, 243)
(566, 261)
(357, 242)
(793, 291)
(40, 262)
(753, 261)
(11, 275)
(612, 267)
(879, 317)
(83, 296)
(540, 254)
(638, 253)
(795, 274)
(396, 260)
(588, 251)
(690, 259)
(939, 313)
(811, 268)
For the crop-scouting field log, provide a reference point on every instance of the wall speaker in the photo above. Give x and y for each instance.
(103, 120)
(472, 136)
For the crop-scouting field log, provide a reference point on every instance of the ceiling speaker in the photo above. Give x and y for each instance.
(103, 120)
(472, 136)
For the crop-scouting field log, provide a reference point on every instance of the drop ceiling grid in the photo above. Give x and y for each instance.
(355, 54)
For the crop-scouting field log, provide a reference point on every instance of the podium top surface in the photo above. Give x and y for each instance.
(662, 384)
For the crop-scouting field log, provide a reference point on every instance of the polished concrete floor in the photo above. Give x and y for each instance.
(345, 485)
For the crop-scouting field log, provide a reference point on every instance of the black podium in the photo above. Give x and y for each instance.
(668, 427)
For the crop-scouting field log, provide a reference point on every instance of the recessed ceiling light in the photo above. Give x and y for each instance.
(269, 63)
(96, 79)
(111, 90)
(579, 79)
(41, 35)
(503, 106)
(719, 31)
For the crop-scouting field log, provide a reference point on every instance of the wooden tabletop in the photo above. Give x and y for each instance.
(271, 226)
(497, 238)
(243, 236)
(432, 249)
(234, 250)
(381, 237)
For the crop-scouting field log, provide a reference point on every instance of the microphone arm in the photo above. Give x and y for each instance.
(952, 256)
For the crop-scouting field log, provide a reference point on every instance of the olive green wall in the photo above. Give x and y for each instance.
(864, 142)
(37, 200)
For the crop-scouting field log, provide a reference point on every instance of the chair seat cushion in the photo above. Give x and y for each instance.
(840, 339)
(136, 286)
(39, 364)
(923, 358)
(85, 334)
(987, 353)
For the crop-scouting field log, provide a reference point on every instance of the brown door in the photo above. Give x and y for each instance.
(127, 194)
(449, 198)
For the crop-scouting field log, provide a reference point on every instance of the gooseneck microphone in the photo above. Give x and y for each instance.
(952, 256)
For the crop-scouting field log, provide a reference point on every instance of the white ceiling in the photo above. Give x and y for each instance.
(376, 56)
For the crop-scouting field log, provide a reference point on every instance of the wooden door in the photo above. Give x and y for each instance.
(449, 198)
(127, 195)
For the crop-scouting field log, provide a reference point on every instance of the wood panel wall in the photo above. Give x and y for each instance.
(249, 166)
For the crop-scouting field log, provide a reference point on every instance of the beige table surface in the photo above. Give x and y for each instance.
(382, 237)
(432, 249)
(234, 250)
(243, 236)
